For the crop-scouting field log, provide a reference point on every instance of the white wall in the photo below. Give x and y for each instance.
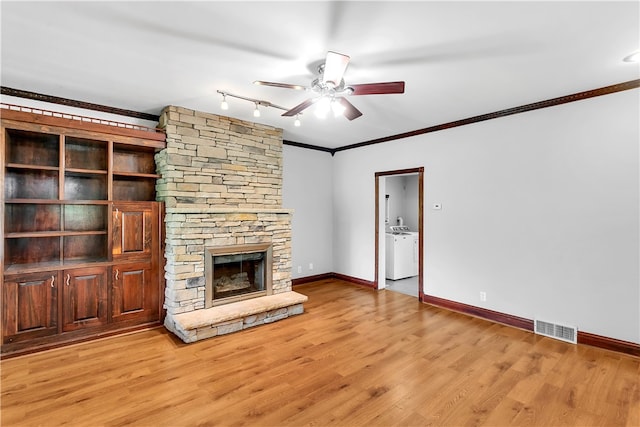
(395, 191)
(307, 188)
(540, 211)
(411, 202)
(403, 192)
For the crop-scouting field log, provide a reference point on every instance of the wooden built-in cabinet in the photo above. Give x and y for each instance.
(134, 240)
(133, 296)
(30, 306)
(81, 231)
(84, 298)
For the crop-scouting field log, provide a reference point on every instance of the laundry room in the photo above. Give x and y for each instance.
(401, 238)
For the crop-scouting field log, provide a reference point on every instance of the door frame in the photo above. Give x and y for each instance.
(378, 175)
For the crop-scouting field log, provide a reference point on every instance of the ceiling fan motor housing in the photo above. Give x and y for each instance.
(328, 89)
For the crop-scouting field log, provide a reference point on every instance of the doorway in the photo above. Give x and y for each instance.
(387, 216)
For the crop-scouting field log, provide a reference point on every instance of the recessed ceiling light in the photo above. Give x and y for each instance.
(634, 57)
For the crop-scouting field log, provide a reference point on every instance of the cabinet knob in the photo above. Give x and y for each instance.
(68, 278)
(53, 279)
(116, 274)
(116, 214)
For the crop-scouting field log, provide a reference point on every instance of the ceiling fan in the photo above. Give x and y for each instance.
(331, 90)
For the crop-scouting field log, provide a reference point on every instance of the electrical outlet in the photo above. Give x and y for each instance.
(299, 269)
(483, 296)
(310, 266)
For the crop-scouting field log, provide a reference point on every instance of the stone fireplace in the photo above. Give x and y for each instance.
(221, 182)
(237, 272)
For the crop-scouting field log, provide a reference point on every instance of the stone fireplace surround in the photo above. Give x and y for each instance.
(221, 182)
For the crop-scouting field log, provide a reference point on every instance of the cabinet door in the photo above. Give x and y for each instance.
(134, 226)
(30, 306)
(134, 292)
(84, 298)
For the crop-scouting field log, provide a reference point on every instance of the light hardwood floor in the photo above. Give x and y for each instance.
(356, 357)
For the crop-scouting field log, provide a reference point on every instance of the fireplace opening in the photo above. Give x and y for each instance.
(237, 272)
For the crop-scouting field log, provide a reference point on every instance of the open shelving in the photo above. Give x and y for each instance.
(67, 187)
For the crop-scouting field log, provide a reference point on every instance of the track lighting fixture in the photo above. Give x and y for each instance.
(257, 103)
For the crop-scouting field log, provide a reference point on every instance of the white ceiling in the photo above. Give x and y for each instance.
(458, 59)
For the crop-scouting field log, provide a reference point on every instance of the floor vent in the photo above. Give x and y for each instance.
(557, 331)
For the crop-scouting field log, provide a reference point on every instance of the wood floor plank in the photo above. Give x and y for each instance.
(355, 357)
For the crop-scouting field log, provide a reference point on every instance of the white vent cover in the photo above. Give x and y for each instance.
(557, 331)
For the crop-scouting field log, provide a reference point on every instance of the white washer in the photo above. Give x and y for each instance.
(401, 253)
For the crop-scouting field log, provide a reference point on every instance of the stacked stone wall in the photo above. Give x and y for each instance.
(217, 161)
(190, 231)
(221, 182)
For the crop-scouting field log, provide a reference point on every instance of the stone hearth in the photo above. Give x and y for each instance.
(222, 186)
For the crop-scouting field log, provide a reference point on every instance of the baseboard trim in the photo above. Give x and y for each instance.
(607, 343)
(586, 338)
(495, 316)
(309, 279)
(325, 276)
(355, 280)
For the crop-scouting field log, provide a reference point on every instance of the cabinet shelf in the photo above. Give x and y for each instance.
(80, 172)
(31, 167)
(136, 160)
(81, 186)
(32, 148)
(55, 266)
(36, 234)
(136, 175)
(82, 153)
(133, 188)
(55, 202)
(36, 183)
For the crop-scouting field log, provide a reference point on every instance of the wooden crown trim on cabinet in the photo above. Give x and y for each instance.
(81, 251)
(82, 123)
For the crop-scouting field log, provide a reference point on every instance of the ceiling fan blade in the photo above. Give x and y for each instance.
(298, 108)
(378, 88)
(282, 85)
(334, 67)
(350, 112)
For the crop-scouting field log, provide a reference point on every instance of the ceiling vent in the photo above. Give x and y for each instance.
(557, 331)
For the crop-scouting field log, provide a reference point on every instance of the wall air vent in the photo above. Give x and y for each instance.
(557, 331)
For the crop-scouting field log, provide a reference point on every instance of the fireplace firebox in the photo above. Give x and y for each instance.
(238, 272)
